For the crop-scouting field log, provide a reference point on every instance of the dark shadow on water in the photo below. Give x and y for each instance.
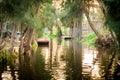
(32, 67)
(26, 67)
(117, 72)
(109, 57)
(110, 64)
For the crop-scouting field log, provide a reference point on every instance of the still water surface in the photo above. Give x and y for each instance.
(62, 60)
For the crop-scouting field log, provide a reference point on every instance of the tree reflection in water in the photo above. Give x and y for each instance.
(32, 67)
(117, 71)
(63, 60)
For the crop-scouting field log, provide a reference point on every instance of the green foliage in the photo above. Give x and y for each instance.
(115, 26)
(113, 11)
(113, 16)
(89, 39)
(49, 35)
(17, 7)
(70, 12)
(23, 12)
(48, 15)
(8, 57)
(38, 23)
(104, 32)
(65, 31)
(44, 19)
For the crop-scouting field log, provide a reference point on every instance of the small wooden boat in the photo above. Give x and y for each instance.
(66, 37)
(43, 41)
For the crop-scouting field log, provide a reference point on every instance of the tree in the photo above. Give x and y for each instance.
(72, 16)
(48, 16)
(21, 14)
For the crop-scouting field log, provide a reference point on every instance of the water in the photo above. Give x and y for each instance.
(62, 60)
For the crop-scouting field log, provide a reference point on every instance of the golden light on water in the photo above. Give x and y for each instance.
(89, 64)
(46, 55)
(7, 75)
(88, 59)
(54, 62)
(95, 71)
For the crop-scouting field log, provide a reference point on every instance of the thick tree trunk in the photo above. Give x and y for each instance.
(29, 39)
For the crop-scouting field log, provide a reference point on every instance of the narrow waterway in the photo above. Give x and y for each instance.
(63, 60)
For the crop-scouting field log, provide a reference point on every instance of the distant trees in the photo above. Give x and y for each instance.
(25, 15)
(74, 8)
(48, 16)
(72, 15)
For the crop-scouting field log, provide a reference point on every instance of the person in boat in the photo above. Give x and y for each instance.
(117, 71)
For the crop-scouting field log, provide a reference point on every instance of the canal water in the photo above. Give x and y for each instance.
(63, 60)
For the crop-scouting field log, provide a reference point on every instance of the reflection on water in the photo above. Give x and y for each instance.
(62, 60)
(90, 64)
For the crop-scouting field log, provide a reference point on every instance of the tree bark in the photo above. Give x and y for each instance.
(29, 39)
(80, 16)
(92, 25)
(13, 37)
(59, 31)
(114, 37)
(71, 29)
(21, 49)
(80, 23)
(102, 6)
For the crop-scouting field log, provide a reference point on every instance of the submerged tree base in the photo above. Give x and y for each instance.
(106, 41)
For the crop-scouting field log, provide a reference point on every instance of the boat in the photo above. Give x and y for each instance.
(43, 41)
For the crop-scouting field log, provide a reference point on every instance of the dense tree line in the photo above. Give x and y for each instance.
(19, 15)
(110, 11)
(26, 15)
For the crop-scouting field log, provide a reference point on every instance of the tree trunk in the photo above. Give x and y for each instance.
(114, 37)
(21, 49)
(29, 39)
(71, 29)
(37, 9)
(59, 31)
(74, 35)
(80, 23)
(92, 25)
(80, 16)
(102, 6)
(13, 37)
(1, 32)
